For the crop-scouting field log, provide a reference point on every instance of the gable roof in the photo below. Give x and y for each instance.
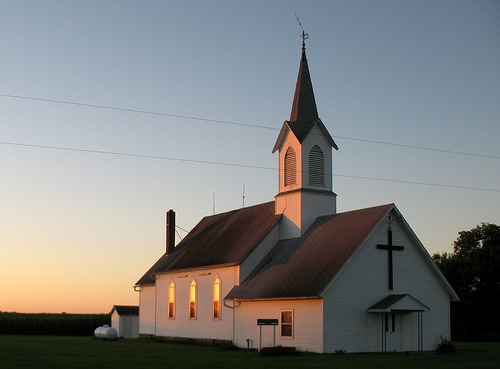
(125, 310)
(212, 241)
(319, 255)
(301, 130)
(403, 302)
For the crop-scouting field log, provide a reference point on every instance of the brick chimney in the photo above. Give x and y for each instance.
(170, 236)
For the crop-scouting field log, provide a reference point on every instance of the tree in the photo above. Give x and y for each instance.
(473, 270)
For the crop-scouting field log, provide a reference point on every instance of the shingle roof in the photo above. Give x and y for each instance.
(403, 302)
(222, 239)
(303, 267)
(125, 310)
(304, 105)
(304, 114)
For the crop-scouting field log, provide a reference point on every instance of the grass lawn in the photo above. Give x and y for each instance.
(86, 352)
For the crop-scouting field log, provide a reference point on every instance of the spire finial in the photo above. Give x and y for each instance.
(304, 35)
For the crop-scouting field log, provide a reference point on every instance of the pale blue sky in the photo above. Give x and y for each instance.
(79, 228)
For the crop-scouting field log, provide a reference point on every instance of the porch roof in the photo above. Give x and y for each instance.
(401, 303)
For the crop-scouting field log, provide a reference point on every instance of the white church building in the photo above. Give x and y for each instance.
(293, 271)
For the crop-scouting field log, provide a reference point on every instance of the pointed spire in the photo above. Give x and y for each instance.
(304, 105)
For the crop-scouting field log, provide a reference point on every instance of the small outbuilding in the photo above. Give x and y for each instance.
(125, 319)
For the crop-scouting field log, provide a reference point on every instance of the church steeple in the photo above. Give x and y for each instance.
(305, 161)
(304, 105)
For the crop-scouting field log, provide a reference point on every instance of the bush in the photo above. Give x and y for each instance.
(445, 346)
(278, 351)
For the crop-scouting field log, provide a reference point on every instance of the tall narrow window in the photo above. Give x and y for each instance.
(171, 300)
(290, 167)
(192, 299)
(316, 167)
(287, 323)
(217, 298)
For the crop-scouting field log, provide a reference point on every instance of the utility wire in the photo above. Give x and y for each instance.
(236, 165)
(240, 124)
(137, 111)
(134, 155)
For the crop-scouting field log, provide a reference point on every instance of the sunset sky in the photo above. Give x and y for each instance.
(113, 112)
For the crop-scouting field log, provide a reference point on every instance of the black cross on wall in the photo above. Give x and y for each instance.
(390, 248)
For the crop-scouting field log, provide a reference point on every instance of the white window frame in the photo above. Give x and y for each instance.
(316, 166)
(171, 300)
(290, 164)
(193, 299)
(217, 298)
(286, 324)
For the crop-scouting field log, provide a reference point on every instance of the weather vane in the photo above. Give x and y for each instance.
(305, 35)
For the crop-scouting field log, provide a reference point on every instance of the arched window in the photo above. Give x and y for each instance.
(192, 299)
(290, 167)
(217, 298)
(171, 300)
(316, 167)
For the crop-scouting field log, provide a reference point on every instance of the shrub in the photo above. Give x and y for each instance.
(445, 346)
(278, 351)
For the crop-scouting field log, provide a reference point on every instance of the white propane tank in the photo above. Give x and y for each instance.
(106, 333)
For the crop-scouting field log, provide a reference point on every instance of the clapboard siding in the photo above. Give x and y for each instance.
(291, 141)
(364, 282)
(258, 254)
(307, 329)
(290, 206)
(300, 210)
(418, 271)
(147, 310)
(316, 137)
(127, 326)
(204, 326)
(315, 205)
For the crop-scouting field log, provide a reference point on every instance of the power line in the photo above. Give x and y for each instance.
(178, 116)
(418, 183)
(420, 147)
(237, 165)
(137, 111)
(134, 155)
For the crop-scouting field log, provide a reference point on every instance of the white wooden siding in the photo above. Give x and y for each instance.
(147, 301)
(204, 326)
(291, 141)
(315, 205)
(130, 326)
(258, 254)
(127, 326)
(307, 324)
(290, 206)
(364, 282)
(316, 137)
(300, 209)
(115, 322)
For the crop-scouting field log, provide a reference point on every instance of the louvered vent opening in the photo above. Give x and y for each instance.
(316, 167)
(290, 167)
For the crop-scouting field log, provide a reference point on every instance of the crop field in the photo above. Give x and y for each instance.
(86, 352)
(52, 324)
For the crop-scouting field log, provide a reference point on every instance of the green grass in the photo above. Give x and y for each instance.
(85, 352)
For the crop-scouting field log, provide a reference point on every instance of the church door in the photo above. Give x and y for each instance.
(393, 332)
